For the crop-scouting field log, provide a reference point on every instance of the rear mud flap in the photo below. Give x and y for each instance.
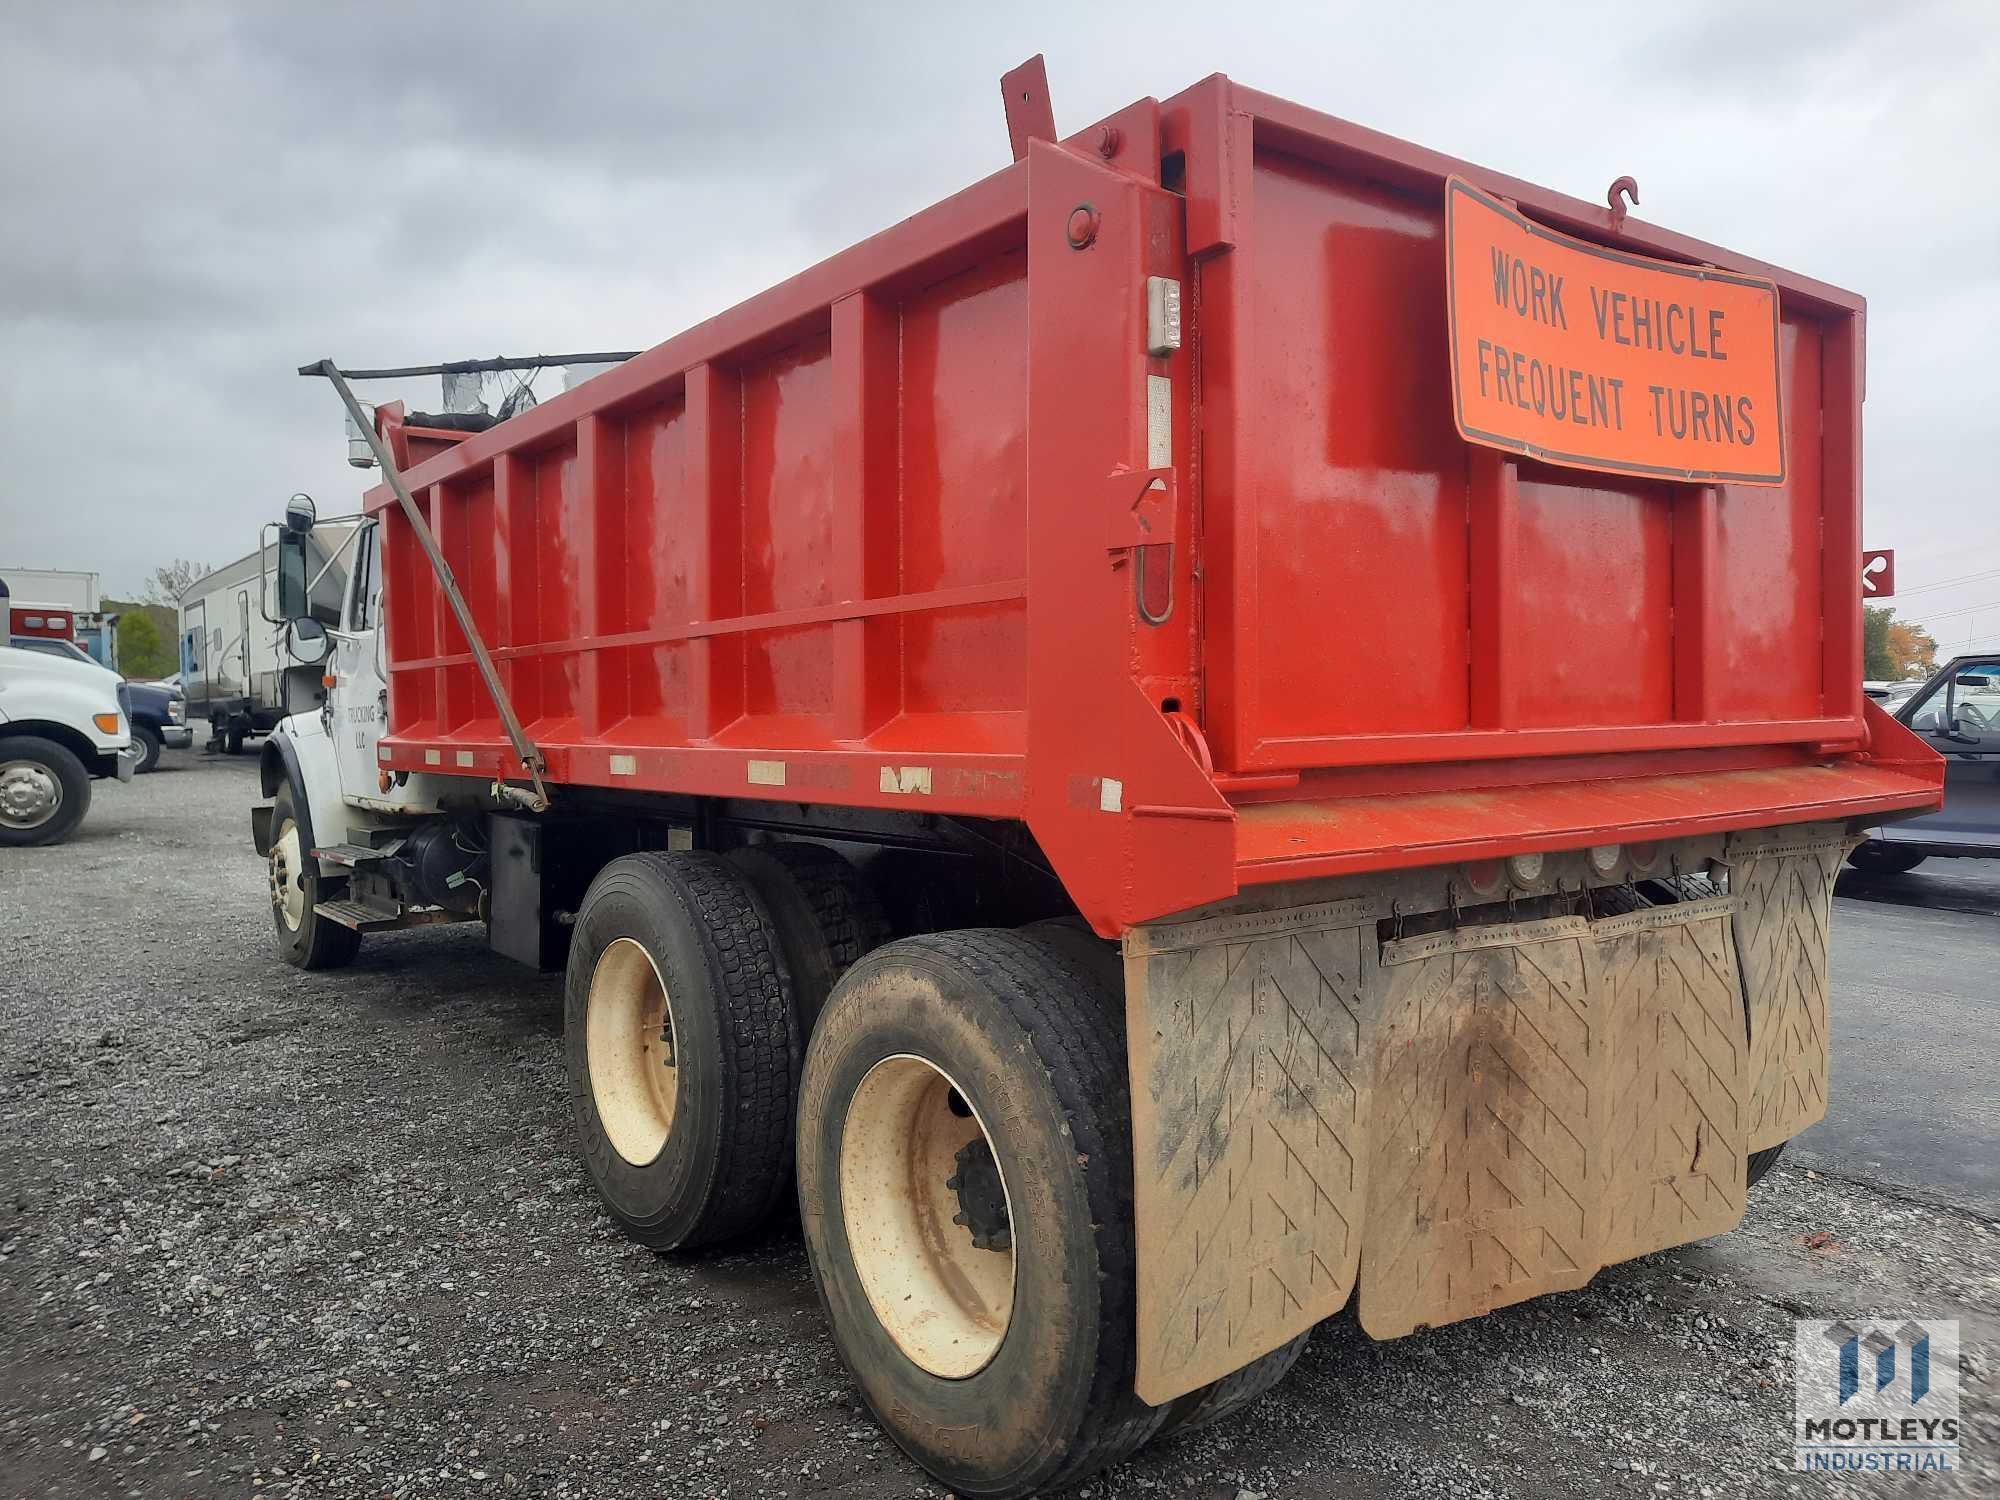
(1248, 1037)
(1456, 1121)
(1784, 891)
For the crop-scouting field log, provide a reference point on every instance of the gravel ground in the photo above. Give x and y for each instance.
(273, 1233)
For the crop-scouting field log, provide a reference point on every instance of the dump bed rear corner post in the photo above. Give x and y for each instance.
(1132, 824)
(1214, 140)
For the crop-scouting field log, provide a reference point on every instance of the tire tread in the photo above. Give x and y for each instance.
(1081, 1051)
(753, 1166)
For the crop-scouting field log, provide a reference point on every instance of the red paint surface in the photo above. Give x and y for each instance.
(882, 517)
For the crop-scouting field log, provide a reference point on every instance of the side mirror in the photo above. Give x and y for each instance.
(306, 641)
(293, 601)
(300, 514)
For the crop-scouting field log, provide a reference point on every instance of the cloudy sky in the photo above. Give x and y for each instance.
(201, 197)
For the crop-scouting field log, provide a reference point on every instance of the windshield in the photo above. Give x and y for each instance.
(51, 647)
(1966, 703)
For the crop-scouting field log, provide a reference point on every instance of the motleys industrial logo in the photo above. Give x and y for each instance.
(1875, 1395)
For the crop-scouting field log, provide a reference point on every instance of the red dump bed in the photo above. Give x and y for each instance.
(929, 528)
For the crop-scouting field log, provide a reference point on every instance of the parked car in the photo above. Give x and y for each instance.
(63, 725)
(158, 710)
(50, 645)
(1889, 694)
(159, 721)
(1958, 711)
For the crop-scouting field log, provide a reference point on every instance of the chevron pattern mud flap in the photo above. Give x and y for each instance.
(1247, 1037)
(1679, 1070)
(1455, 1121)
(1488, 1124)
(1784, 888)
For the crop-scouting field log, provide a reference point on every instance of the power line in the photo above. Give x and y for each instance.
(1968, 609)
(1949, 583)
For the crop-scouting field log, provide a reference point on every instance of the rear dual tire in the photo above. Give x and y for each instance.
(1005, 1033)
(963, 1146)
(681, 1049)
(691, 985)
(1760, 1163)
(1879, 858)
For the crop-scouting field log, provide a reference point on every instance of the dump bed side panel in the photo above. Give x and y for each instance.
(796, 533)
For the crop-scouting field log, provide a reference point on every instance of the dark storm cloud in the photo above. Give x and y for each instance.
(200, 197)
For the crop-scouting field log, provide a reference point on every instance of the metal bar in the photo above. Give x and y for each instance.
(477, 366)
(332, 559)
(963, 596)
(523, 746)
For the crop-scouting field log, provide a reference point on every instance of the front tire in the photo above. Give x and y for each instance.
(44, 791)
(965, 1185)
(148, 741)
(680, 1047)
(306, 940)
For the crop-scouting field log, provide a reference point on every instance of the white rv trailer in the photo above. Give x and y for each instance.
(235, 669)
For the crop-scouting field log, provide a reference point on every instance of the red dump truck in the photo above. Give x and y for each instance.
(1240, 720)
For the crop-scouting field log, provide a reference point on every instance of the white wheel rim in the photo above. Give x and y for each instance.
(288, 890)
(944, 1301)
(629, 1040)
(30, 793)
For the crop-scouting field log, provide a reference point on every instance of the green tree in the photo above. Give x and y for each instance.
(141, 652)
(1878, 662)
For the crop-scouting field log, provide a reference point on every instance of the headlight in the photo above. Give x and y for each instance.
(176, 711)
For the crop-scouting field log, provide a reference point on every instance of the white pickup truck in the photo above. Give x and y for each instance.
(63, 725)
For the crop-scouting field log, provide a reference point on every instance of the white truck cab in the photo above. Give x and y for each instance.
(63, 724)
(347, 844)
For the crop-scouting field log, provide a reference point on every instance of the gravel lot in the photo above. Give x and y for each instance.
(265, 1232)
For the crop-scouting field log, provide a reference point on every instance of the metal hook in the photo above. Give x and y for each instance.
(1396, 920)
(1621, 188)
(1451, 900)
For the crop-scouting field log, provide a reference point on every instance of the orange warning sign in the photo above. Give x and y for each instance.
(1581, 355)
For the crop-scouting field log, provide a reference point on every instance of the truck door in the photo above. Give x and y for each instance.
(1960, 717)
(358, 701)
(195, 682)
